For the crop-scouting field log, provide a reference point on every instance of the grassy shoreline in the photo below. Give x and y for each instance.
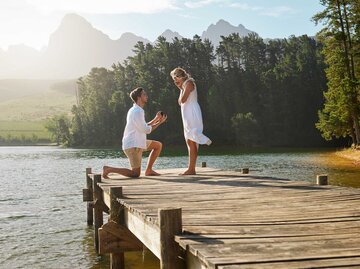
(350, 154)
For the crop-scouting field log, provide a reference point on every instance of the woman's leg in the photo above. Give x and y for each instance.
(193, 153)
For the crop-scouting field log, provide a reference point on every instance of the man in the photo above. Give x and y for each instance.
(134, 140)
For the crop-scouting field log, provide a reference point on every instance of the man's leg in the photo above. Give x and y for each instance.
(135, 172)
(193, 153)
(155, 147)
(134, 155)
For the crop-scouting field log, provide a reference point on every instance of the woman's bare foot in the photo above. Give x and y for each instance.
(150, 173)
(188, 172)
(105, 172)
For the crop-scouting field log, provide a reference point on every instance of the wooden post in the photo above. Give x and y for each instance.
(117, 260)
(245, 170)
(170, 225)
(322, 180)
(98, 209)
(89, 205)
(203, 164)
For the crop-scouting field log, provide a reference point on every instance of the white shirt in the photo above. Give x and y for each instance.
(136, 129)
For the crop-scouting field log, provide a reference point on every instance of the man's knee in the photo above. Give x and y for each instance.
(158, 145)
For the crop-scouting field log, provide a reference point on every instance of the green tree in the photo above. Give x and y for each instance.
(341, 113)
(247, 129)
(273, 88)
(59, 128)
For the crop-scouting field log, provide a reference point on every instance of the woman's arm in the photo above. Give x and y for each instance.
(189, 87)
(179, 99)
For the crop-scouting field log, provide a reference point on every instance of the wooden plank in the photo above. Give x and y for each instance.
(89, 205)
(320, 263)
(214, 255)
(241, 220)
(170, 222)
(145, 231)
(98, 209)
(116, 239)
(123, 239)
(187, 241)
(192, 262)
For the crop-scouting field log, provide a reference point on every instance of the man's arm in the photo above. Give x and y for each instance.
(158, 123)
(140, 123)
(154, 120)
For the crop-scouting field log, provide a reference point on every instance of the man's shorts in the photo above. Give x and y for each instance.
(135, 155)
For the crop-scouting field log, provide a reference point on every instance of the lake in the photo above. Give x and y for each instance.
(43, 218)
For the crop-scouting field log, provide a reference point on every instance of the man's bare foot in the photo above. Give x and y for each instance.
(105, 172)
(150, 173)
(188, 172)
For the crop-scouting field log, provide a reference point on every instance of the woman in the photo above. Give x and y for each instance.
(191, 116)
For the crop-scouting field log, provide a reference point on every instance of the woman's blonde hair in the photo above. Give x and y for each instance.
(180, 73)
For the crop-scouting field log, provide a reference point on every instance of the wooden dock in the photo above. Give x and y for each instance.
(225, 220)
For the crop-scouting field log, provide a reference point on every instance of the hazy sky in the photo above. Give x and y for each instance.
(31, 22)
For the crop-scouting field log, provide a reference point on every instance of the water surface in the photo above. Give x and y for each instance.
(43, 218)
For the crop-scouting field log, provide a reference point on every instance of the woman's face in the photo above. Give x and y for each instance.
(178, 81)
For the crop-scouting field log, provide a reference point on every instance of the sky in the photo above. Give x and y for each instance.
(31, 22)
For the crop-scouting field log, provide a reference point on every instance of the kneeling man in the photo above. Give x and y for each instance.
(134, 141)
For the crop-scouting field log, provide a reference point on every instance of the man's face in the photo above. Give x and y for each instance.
(143, 97)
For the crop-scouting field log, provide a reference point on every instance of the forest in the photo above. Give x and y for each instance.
(291, 92)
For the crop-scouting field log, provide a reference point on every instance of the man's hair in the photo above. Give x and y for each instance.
(135, 94)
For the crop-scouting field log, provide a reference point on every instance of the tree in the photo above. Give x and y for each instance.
(256, 93)
(341, 113)
(246, 128)
(59, 128)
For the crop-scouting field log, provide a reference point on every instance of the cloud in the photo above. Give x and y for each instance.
(244, 6)
(277, 11)
(265, 11)
(202, 3)
(103, 7)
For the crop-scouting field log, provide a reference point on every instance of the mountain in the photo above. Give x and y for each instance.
(126, 43)
(76, 46)
(19, 59)
(223, 28)
(170, 35)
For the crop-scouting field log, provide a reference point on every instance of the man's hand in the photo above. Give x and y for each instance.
(157, 123)
(158, 115)
(163, 119)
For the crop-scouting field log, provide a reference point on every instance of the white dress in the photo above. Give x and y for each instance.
(192, 117)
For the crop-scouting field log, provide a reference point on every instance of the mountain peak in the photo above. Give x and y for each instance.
(222, 22)
(170, 35)
(73, 18)
(223, 28)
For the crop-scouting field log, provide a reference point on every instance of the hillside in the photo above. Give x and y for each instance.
(26, 104)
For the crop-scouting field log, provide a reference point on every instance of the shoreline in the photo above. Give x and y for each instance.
(350, 154)
(30, 145)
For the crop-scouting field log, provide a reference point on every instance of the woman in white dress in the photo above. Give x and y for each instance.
(191, 116)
